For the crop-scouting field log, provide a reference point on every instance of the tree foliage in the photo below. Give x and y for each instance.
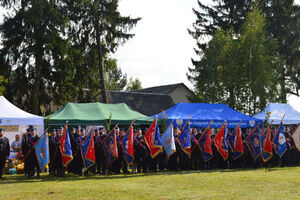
(282, 24)
(238, 69)
(134, 84)
(53, 51)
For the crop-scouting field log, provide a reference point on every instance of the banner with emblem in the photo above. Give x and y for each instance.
(127, 145)
(279, 140)
(205, 144)
(296, 137)
(153, 140)
(185, 140)
(88, 151)
(168, 140)
(110, 146)
(235, 143)
(266, 144)
(42, 151)
(221, 141)
(253, 141)
(65, 147)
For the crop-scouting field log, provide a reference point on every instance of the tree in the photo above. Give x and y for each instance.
(32, 36)
(282, 24)
(134, 84)
(114, 78)
(2, 88)
(98, 26)
(238, 69)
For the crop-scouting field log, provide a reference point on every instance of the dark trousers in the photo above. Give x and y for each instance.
(2, 163)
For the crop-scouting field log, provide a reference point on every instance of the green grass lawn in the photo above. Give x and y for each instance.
(274, 183)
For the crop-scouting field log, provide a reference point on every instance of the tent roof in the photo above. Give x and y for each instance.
(203, 113)
(12, 115)
(97, 113)
(277, 111)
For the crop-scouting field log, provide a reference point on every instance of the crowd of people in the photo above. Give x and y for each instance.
(143, 162)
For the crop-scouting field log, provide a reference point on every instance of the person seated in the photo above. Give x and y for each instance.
(17, 144)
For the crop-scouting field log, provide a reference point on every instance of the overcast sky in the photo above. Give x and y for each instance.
(161, 51)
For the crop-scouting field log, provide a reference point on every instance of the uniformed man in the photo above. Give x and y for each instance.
(172, 163)
(81, 139)
(196, 153)
(25, 150)
(121, 162)
(33, 162)
(58, 168)
(75, 164)
(140, 152)
(52, 136)
(4, 151)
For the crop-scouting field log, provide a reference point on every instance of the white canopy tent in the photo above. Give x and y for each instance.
(16, 121)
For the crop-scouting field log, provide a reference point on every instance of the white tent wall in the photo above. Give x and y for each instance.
(16, 121)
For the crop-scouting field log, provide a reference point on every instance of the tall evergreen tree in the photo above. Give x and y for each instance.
(282, 23)
(99, 27)
(238, 69)
(31, 37)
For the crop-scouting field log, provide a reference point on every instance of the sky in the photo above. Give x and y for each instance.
(160, 52)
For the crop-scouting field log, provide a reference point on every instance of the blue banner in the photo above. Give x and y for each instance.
(42, 151)
(185, 140)
(253, 141)
(279, 140)
(168, 141)
(127, 144)
(88, 151)
(205, 145)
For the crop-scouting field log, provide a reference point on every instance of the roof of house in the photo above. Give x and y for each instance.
(145, 103)
(164, 89)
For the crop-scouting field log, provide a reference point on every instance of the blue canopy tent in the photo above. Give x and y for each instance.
(203, 113)
(278, 110)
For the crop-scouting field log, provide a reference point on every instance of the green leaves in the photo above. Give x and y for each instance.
(238, 69)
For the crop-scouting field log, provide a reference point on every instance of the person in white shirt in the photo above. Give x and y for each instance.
(17, 144)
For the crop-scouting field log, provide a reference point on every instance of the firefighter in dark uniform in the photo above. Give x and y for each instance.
(172, 163)
(75, 164)
(51, 150)
(33, 165)
(25, 150)
(102, 158)
(196, 153)
(121, 162)
(57, 164)
(4, 151)
(141, 152)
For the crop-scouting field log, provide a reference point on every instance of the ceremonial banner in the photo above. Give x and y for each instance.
(168, 140)
(110, 146)
(279, 140)
(65, 147)
(152, 139)
(127, 145)
(266, 144)
(88, 151)
(184, 139)
(236, 143)
(253, 142)
(42, 151)
(296, 137)
(221, 142)
(205, 144)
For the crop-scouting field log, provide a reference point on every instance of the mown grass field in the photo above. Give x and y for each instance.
(273, 183)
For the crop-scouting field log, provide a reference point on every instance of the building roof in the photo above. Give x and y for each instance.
(145, 103)
(164, 89)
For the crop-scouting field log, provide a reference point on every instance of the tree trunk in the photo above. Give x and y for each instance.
(100, 58)
(37, 81)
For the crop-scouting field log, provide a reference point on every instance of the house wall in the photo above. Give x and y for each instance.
(180, 94)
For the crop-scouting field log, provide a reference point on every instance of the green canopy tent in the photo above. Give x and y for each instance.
(96, 114)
